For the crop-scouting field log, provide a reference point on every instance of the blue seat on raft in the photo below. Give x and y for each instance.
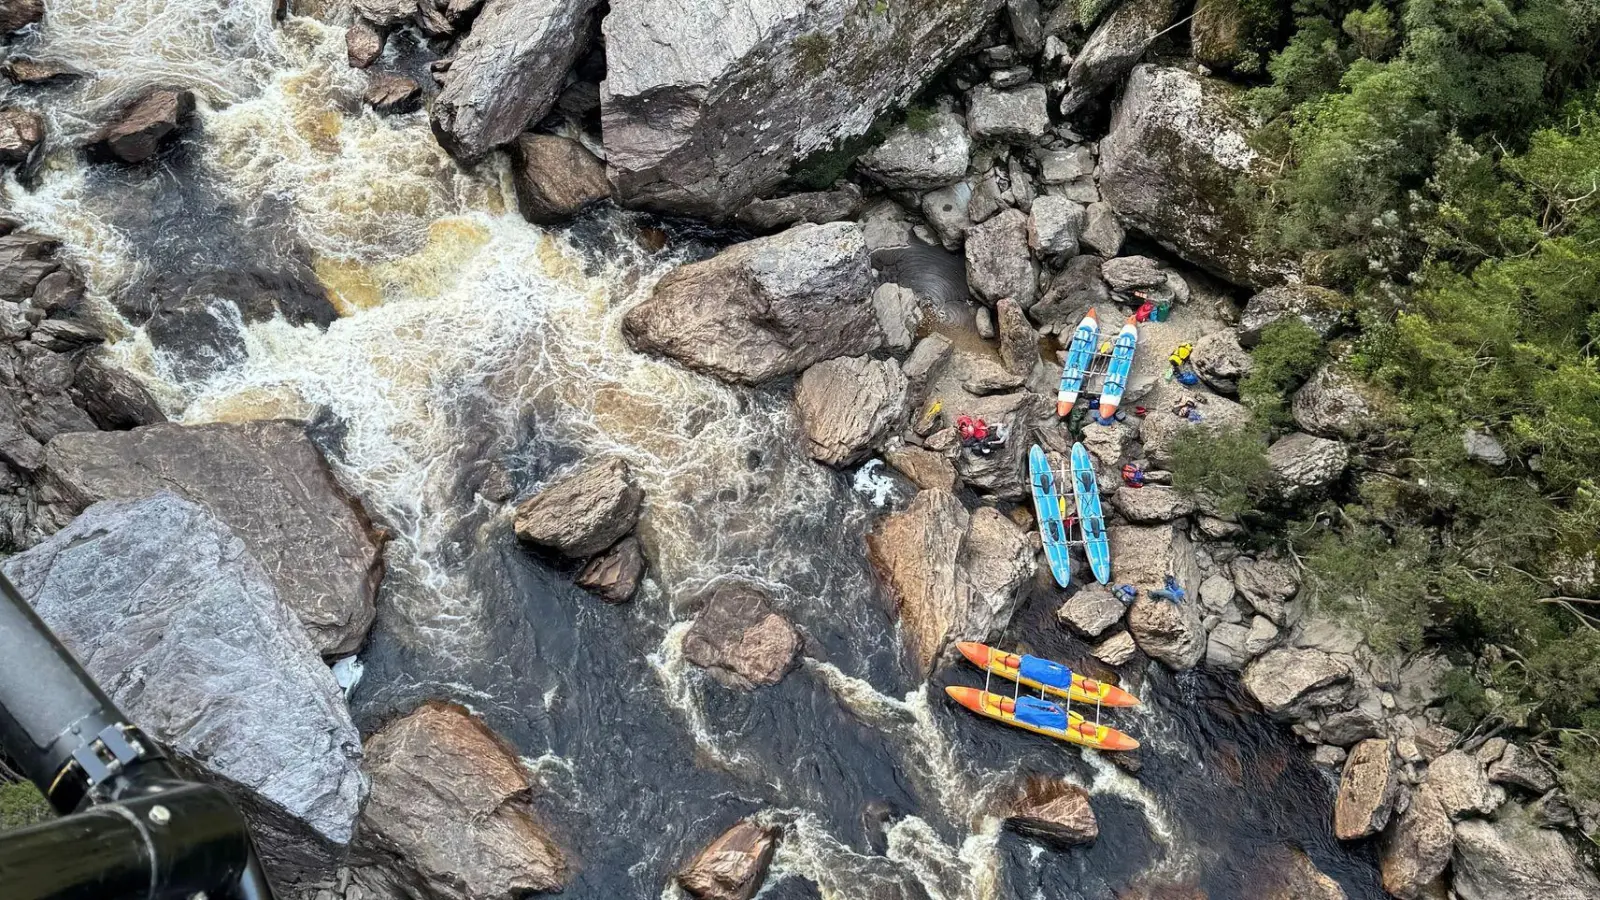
(1041, 714)
(1045, 672)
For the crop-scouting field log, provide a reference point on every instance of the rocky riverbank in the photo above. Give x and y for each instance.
(927, 198)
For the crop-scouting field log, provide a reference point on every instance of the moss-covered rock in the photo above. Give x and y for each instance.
(1234, 35)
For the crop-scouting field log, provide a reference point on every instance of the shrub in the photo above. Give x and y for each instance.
(21, 805)
(1289, 351)
(1226, 467)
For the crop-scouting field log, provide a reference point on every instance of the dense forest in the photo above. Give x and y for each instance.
(1438, 163)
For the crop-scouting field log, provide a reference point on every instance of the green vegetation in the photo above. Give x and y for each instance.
(919, 118)
(1440, 161)
(814, 50)
(1227, 466)
(1289, 351)
(21, 804)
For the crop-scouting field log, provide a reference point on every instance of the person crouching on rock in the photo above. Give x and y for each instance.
(978, 436)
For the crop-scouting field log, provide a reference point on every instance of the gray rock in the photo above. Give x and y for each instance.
(1168, 632)
(363, 43)
(732, 867)
(1348, 727)
(925, 468)
(1115, 650)
(1027, 25)
(170, 613)
(1162, 429)
(21, 69)
(1329, 757)
(58, 294)
(555, 177)
(927, 362)
(1334, 404)
(764, 308)
(16, 15)
(584, 512)
(1517, 766)
(1074, 289)
(986, 200)
(998, 559)
(1482, 447)
(946, 210)
(1019, 343)
(930, 156)
(740, 638)
(1288, 682)
(983, 376)
(392, 94)
(1267, 585)
(998, 262)
(1129, 273)
(707, 105)
(1083, 190)
(1053, 810)
(1016, 76)
(1103, 233)
(1063, 166)
(847, 406)
(1021, 115)
(1319, 308)
(1151, 504)
(983, 323)
(1216, 593)
(1057, 224)
(112, 397)
(1460, 785)
(816, 207)
(1367, 791)
(1170, 165)
(1225, 647)
(1511, 859)
(451, 813)
(21, 136)
(1262, 637)
(1416, 849)
(25, 260)
(1221, 362)
(1303, 464)
(1091, 610)
(1114, 47)
(65, 335)
(614, 576)
(269, 484)
(899, 314)
(140, 130)
(507, 71)
(385, 13)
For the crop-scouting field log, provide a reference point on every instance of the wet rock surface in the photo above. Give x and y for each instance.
(732, 867)
(21, 136)
(140, 130)
(755, 89)
(916, 554)
(848, 405)
(1053, 810)
(740, 638)
(555, 177)
(768, 307)
(167, 609)
(507, 71)
(268, 482)
(614, 576)
(450, 813)
(582, 513)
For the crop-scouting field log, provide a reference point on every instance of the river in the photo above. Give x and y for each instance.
(465, 346)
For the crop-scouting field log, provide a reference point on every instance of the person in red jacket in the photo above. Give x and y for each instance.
(978, 436)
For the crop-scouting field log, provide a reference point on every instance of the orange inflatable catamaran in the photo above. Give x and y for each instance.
(1045, 676)
(1042, 717)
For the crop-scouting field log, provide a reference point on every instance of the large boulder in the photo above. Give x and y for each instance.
(740, 638)
(1288, 682)
(582, 513)
(916, 554)
(21, 136)
(1091, 610)
(1115, 46)
(1221, 362)
(450, 816)
(848, 405)
(709, 104)
(507, 71)
(930, 155)
(1458, 781)
(1317, 308)
(999, 560)
(1303, 464)
(1512, 859)
(1019, 115)
(1172, 633)
(555, 177)
(999, 264)
(1171, 165)
(1333, 403)
(733, 866)
(1162, 429)
(764, 308)
(1267, 585)
(141, 129)
(1052, 810)
(1291, 875)
(1516, 766)
(1151, 504)
(1416, 848)
(614, 576)
(1367, 791)
(168, 610)
(269, 484)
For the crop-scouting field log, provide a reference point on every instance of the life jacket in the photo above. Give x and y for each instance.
(972, 429)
